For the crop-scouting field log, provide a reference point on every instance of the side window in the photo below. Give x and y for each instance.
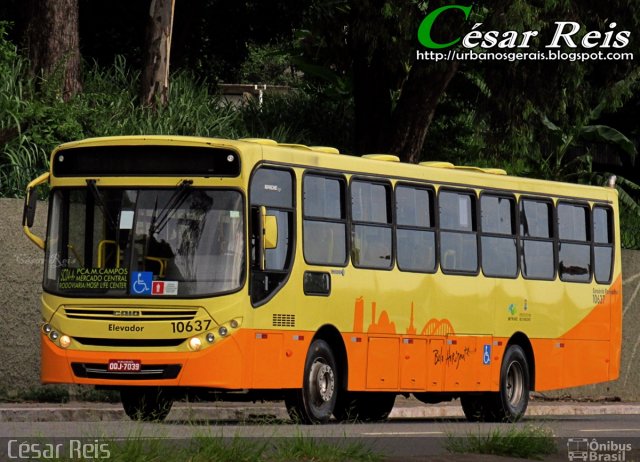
(574, 249)
(325, 220)
(498, 236)
(415, 234)
(536, 239)
(371, 225)
(458, 240)
(273, 189)
(602, 244)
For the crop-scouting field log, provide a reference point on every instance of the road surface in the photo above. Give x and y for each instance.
(400, 438)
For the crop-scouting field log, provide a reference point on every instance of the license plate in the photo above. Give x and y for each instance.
(123, 365)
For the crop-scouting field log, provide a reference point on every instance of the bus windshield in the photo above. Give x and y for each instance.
(145, 242)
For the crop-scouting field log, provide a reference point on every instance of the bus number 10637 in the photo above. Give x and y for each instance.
(190, 326)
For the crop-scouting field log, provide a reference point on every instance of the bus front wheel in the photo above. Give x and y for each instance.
(149, 404)
(510, 403)
(314, 403)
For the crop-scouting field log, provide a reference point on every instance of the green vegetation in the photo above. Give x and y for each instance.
(528, 442)
(58, 394)
(303, 447)
(39, 394)
(474, 125)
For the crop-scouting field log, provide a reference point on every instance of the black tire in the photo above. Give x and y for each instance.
(314, 403)
(364, 406)
(515, 385)
(148, 404)
(510, 403)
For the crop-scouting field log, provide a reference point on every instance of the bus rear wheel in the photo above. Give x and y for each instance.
(314, 403)
(510, 403)
(148, 404)
(364, 406)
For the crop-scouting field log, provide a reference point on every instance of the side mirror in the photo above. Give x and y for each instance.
(29, 214)
(30, 203)
(268, 234)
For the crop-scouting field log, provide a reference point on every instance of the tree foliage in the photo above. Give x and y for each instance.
(357, 83)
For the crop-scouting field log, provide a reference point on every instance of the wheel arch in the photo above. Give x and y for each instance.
(330, 334)
(520, 339)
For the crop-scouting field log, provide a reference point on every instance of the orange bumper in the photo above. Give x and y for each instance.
(246, 359)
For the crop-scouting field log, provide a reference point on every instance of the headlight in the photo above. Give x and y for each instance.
(65, 341)
(195, 343)
(223, 331)
(47, 328)
(210, 337)
(54, 335)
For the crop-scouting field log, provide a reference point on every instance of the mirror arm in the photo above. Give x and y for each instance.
(30, 210)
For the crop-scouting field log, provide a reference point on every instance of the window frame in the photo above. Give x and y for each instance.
(474, 216)
(594, 244)
(388, 185)
(553, 225)
(588, 242)
(515, 223)
(344, 194)
(434, 228)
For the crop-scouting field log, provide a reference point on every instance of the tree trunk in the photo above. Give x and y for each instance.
(53, 43)
(414, 111)
(155, 74)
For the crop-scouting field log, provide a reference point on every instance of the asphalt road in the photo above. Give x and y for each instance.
(399, 439)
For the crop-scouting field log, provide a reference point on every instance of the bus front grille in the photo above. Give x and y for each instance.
(130, 314)
(125, 342)
(147, 372)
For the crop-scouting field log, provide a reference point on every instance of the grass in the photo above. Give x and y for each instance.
(57, 394)
(307, 448)
(38, 394)
(527, 442)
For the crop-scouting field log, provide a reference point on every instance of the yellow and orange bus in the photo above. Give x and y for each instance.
(250, 269)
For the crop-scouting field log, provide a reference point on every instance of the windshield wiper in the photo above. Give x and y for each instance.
(97, 197)
(174, 202)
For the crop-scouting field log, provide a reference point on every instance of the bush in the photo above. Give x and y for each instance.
(304, 116)
(33, 123)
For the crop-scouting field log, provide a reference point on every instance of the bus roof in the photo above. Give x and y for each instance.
(371, 165)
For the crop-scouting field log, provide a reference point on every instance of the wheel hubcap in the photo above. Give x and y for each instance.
(515, 383)
(322, 381)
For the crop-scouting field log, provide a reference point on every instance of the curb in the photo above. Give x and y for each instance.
(269, 412)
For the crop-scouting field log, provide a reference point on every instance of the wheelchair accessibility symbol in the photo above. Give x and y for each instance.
(486, 355)
(141, 282)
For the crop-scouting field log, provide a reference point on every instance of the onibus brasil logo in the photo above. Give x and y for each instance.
(593, 450)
